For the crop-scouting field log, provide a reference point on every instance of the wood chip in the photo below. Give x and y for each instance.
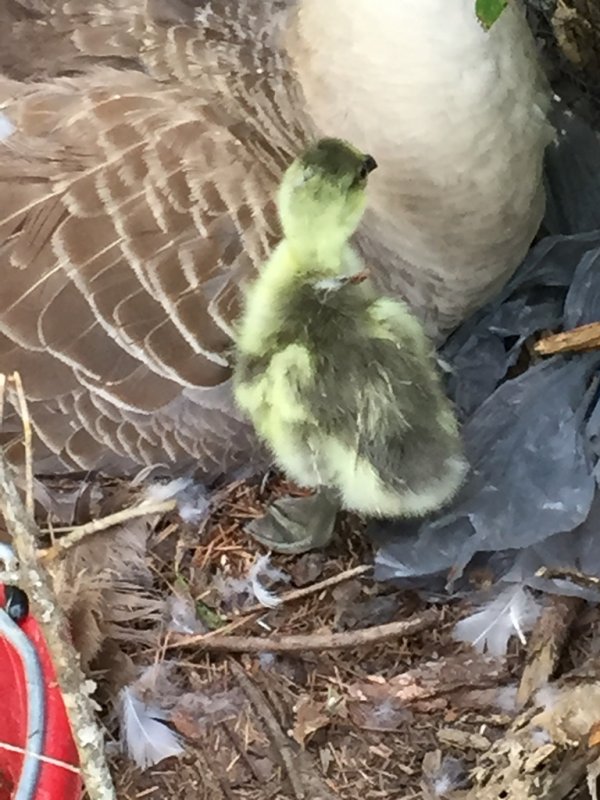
(585, 337)
(546, 644)
(463, 740)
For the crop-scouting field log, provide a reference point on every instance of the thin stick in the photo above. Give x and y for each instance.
(573, 575)
(23, 411)
(346, 640)
(216, 782)
(242, 751)
(47, 611)
(253, 613)
(75, 535)
(306, 591)
(584, 337)
(287, 752)
(237, 623)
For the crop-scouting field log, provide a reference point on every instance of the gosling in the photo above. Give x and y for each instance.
(340, 383)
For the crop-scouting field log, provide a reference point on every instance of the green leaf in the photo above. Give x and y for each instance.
(210, 618)
(205, 614)
(488, 11)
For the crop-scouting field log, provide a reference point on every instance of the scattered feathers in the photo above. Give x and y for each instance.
(451, 776)
(568, 712)
(193, 501)
(506, 699)
(181, 614)
(105, 588)
(144, 737)
(513, 611)
(6, 127)
(262, 568)
(442, 776)
(251, 588)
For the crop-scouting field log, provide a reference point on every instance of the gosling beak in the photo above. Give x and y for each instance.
(370, 163)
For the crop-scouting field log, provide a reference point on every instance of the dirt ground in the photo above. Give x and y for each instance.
(369, 722)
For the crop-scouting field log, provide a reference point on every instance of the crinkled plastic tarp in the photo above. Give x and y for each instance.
(533, 440)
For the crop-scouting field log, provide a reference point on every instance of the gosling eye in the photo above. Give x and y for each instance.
(367, 166)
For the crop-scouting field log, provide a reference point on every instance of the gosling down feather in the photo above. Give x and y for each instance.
(340, 382)
(141, 146)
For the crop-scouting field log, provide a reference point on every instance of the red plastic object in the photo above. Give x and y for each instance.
(55, 782)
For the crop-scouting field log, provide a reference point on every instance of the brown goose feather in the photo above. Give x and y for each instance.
(136, 193)
(119, 226)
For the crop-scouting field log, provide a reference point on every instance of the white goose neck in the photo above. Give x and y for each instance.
(454, 116)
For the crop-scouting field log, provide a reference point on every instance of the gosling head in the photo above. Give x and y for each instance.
(322, 196)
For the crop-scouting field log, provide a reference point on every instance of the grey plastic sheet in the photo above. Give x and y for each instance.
(532, 436)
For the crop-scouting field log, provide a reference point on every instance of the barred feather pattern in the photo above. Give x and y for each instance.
(115, 212)
(136, 195)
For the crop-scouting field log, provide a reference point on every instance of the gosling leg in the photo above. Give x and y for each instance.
(295, 525)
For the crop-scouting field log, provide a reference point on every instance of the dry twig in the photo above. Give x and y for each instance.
(15, 379)
(573, 575)
(241, 749)
(346, 640)
(76, 535)
(307, 591)
(253, 613)
(35, 581)
(171, 642)
(277, 736)
(585, 337)
(546, 644)
(215, 781)
(302, 776)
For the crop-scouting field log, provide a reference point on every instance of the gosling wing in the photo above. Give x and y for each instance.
(388, 402)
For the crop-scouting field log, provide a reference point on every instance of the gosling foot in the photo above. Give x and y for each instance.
(295, 525)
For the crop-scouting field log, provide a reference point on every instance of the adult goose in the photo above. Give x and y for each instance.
(142, 144)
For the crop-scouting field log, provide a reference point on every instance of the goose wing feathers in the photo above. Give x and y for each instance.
(132, 203)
